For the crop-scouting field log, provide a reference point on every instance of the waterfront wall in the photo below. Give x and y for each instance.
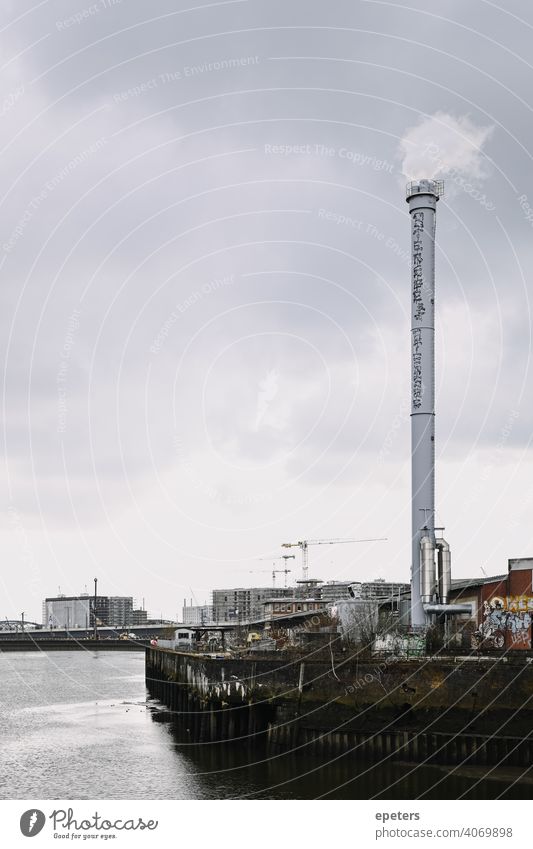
(444, 710)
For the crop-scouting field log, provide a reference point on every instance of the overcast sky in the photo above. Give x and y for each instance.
(204, 260)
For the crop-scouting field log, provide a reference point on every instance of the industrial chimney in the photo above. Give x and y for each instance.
(422, 197)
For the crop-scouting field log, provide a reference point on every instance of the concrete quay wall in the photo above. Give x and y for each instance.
(443, 710)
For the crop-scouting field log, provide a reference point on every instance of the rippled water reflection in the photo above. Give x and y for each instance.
(79, 725)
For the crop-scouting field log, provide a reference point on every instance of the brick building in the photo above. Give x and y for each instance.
(502, 608)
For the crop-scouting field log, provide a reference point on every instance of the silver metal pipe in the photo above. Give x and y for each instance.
(448, 608)
(444, 560)
(427, 570)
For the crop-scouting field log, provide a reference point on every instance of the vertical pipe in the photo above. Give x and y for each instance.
(428, 581)
(422, 197)
(445, 570)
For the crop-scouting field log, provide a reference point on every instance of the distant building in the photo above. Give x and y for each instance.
(242, 604)
(68, 612)
(277, 608)
(502, 608)
(307, 588)
(383, 589)
(337, 590)
(333, 591)
(357, 619)
(139, 617)
(119, 611)
(79, 611)
(358, 614)
(198, 614)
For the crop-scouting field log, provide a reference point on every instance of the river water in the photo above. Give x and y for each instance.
(80, 725)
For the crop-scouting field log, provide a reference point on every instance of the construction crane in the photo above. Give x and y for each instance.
(304, 543)
(273, 572)
(284, 571)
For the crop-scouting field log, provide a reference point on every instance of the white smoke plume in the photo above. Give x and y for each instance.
(442, 144)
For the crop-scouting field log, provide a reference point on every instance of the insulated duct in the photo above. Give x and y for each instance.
(427, 570)
(451, 609)
(444, 559)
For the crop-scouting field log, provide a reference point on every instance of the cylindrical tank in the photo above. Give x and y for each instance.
(422, 197)
(427, 570)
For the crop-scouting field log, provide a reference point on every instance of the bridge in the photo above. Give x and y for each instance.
(37, 632)
(18, 625)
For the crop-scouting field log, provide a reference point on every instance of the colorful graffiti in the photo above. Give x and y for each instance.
(506, 623)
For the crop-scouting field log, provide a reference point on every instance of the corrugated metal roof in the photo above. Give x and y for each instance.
(461, 583)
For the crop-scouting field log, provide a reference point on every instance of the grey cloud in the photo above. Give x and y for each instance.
(115, 239)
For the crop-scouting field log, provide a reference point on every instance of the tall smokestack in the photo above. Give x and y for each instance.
(422, 197)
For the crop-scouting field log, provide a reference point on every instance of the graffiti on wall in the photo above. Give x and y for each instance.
(506, 622)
